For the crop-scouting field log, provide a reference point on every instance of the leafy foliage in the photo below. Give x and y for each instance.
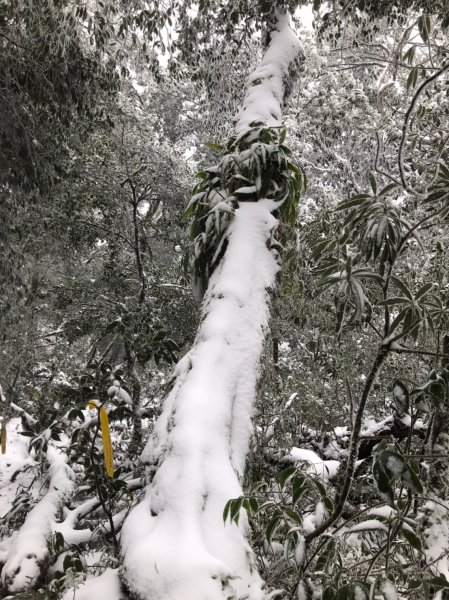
(363, 257)
(254, 165)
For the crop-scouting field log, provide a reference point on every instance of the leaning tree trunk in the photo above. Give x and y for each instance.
(175, 545)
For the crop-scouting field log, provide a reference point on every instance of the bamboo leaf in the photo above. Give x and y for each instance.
(392, 301)
(412, 538)
(423, 290)
(271, 527)
(402, 287)
(3, 436)
(284, 475)
(214, 146)
(353, 201)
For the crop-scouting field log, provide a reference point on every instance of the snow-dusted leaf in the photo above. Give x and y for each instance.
(272, 526)
(425, 289)
(402, 287)
(440, 582)
(412, 538)
(401, 397)
(214, 146)
(284, 476)
(382, 482)
(387, 189)
(353, 201)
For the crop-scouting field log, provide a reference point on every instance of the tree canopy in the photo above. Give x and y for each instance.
(224, 302)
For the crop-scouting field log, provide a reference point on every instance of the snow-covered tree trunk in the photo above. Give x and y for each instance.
(175, 545)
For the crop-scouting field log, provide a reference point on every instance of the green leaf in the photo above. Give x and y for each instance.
(409, 55)
(76, 413)
(424, 26)
(412, 78)
(424, 290)
(387, 189)
(294, 516)
(235, 507)
(282, 135)
(325, 555)
(398, 320)
(253, 505)
(344, 593)
(271, 527)
(298, 488)
(414, 584)
(58, 542)
(364, 274)
(402, 287)
(320, 487)
(392, 301)
(438, 389)
(439, 582)
(284, 475)
(328, 504)
(353, 201)
(382, 482)
(214, 146)
(373, 183)
(329, 593)
(413, 539)
(422, 404)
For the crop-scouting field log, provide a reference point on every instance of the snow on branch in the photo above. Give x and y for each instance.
(269, 84)
(29, 547)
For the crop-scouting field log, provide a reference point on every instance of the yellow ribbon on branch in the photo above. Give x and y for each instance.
(106, 435)
(107, 446)
(3, 437)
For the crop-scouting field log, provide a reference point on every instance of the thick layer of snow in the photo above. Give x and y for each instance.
(29, 548)
(388, 590)
(436, 537)
(387, 512)
(326, 469)
(67, 528)
(13, 461)
(175, 544)
(368, 525)
(104, 587)
(116, 390)
(266, 85)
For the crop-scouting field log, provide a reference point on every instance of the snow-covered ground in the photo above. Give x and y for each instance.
(12, 462)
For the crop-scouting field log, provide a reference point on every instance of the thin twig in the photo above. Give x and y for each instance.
(425, 84)
(354, 444)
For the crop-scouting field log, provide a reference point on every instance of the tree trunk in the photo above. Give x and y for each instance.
(175, 545)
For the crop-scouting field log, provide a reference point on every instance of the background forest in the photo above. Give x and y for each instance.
(111, 113)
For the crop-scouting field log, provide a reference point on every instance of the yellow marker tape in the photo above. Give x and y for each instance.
(92, 404)
(3, 437)
(107, 446)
